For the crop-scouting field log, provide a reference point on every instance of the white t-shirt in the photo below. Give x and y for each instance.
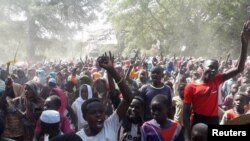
(108, 133)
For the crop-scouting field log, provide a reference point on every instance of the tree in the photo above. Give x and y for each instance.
(204, 27)
(45, 20)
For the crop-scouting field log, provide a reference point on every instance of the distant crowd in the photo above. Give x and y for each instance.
(124, 99)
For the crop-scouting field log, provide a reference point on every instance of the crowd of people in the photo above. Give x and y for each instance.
(123, 99)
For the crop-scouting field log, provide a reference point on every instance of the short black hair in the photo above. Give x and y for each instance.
(199, 132)
(140, 99)
(84, 107)
(244, 95)
(56, 100)
(182, 86)
(163, 99)
(157, 69)
(211, 60)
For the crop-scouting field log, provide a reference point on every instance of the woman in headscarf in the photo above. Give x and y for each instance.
(11, 116)
(85, 92)
(30, 107)
(40, 76)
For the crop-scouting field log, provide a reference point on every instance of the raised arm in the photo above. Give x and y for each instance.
(113, 93)
(107, 63)
(245, 36)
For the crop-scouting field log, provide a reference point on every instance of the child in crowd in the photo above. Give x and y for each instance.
(199, 132)
(241, 101)
(228, 101)
(160, 128)
(177, 103)
(130, 129)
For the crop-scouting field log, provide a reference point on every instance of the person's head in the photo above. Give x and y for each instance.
(100, 88)
(247, 72)
(167, 75)
(3, 74)
(96, 76)
(31, 73)
(136, 109)
(84, 79)
(145, 65)
(143, 76)
(74, 71)
(199, 132)
(50, 121)
(59, 76)
(195, 75)
(211, 67)
(84, 93)
(119, 69)
(240, 101)
(181, 90)
(248, 91)
(52, 82)
(8, 83)
(31, 90)
(169, 84)
(94, 113)
(234, 88)
(67, 137)
(244, 81)
(20, 73)
(8, 88)
(52, 102)
(157, 74)
(70, 86)
(160, 105)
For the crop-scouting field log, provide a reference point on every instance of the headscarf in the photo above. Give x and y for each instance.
(96, 75)
(53, 75)
(78, 104)
(52, 82)
(41, 76)
(33, 86)
(85, 79)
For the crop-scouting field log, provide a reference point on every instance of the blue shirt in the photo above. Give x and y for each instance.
(148, 92)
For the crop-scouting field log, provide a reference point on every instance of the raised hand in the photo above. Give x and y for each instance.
(245, 34)
(106, 61)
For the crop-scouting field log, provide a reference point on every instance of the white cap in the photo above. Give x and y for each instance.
(50, 116)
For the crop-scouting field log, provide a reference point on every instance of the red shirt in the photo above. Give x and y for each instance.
(169, 133)
(204, 96)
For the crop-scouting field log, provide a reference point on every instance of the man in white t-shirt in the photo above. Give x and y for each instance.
(98, 128)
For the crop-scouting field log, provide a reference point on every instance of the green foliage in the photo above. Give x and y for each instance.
(44, 21)
(205, 27)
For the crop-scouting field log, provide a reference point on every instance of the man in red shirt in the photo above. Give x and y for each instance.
(201, 96)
